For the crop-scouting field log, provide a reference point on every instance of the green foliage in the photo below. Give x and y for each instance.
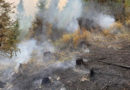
(8, 30)
(128, 3)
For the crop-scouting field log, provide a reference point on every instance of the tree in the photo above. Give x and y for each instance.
(123, 11)
(8, 30)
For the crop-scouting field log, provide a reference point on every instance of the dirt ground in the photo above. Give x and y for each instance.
(110, 70)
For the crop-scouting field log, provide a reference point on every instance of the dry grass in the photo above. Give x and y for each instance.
(111, 37)
(76, 37)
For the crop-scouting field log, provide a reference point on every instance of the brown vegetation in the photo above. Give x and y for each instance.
(8, 29)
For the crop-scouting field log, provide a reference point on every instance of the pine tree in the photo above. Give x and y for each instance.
(8, 30)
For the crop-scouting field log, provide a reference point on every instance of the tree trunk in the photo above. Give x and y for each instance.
(123, 12)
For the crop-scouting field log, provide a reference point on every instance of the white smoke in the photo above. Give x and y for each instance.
(26, 11)
(98, 14)
(26, 49)
(105, 21)
(62, 14)
(48, 47)
(26, 17)
(30, 7)
(30, 49)
(65, 64)
(63, 17)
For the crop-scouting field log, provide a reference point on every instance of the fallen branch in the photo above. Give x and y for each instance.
(93, 72)
(114, 64)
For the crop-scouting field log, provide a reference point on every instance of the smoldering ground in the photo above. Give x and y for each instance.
(31, 63)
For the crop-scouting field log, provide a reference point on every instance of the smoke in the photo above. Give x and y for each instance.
(105, 21)
(98, 18)
(63, 14)
(97, 14)
(31, 50)
(26, 49)
(65, 64)
(26, 11)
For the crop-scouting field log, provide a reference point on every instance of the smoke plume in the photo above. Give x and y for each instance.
(97, 14)
(63, 14)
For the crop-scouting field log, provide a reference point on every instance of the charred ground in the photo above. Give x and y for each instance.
(108, 69)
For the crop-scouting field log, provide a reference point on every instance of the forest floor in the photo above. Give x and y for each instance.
(110, 70)
(106, 69)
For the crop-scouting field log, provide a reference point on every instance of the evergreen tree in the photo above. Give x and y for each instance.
(8, 30)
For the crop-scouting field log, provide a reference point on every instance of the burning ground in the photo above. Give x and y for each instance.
(68, 45)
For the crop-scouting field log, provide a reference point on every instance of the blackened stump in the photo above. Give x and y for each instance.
(46, 80)
(79, 61)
